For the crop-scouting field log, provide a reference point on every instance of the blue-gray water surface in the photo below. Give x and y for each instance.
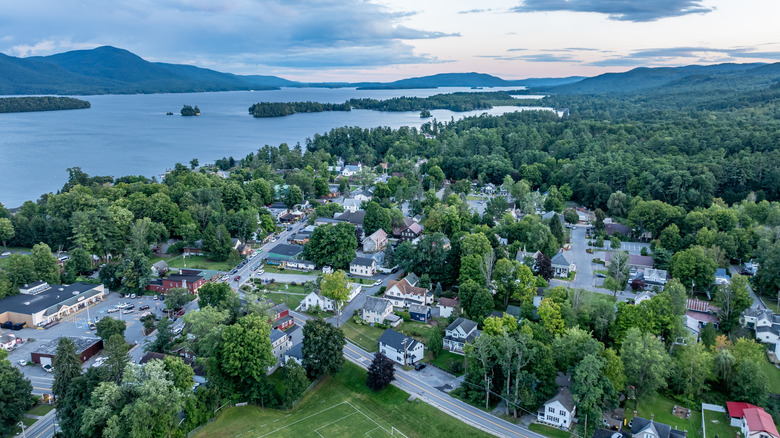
(131, 135)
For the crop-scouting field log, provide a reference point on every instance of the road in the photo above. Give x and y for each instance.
(43, 428)
(411, 383)
(757, 303)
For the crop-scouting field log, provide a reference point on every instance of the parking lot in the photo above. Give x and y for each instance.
(76, 325)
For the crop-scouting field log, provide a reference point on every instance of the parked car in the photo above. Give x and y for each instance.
(132, 296)
(22, 362)
(156, 297)
(112, 310)
(418, 366)
(600, 275)
(48, 368)
(177, 330)
(128, 311)
(144, 307)
(5, 254)
(377, 283)
(92, 326)
(238, 277)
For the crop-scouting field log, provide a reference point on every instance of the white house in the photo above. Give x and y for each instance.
(8, 341)
(363, 266)
(403, 294)
(562, 265)
(399, 348)
(352, 205)
(446, 306)
(362, 195)
(280, 343)
(459, 333)
(159, 268)
(766, 324)
(295, 353)
(376, 310)
(351, 169)
(316, 299)
(559, 411)
(375, 242)
(644, 428)
(757, 423)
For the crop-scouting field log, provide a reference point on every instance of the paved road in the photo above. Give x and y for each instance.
(360, 299)
(757, 303)
(43, 428)
(413, 384)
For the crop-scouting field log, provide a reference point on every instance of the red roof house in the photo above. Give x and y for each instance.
(735, 412)
(756, 423)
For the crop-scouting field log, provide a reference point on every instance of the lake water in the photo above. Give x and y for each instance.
(131, 135)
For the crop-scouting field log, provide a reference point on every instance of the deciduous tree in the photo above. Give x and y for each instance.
(323, 346)
(380, 373)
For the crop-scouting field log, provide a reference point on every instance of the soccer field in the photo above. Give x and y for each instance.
(340, 420)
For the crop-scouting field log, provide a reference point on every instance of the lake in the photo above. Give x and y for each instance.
(131, 135)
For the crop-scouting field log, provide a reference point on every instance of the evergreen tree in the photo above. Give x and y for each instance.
(380, 373)
(117, 357)
(556, 229)
(67, 366)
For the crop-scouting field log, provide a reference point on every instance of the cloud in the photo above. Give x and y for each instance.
(537, 57)
(283, 33)
(622, 10)
(686, 55)
(475, 11)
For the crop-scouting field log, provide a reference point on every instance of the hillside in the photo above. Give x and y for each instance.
(464, 80)
(646, 79)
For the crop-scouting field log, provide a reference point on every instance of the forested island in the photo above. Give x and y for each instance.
(463, 101)
(190, 111)
(40, 103)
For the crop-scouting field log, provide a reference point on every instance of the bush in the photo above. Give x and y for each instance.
(541, 282)
(405, 315)
(644, 251)
(456, 366)
(176, 247)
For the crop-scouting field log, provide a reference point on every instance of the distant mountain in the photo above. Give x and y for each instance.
(463, 80)
(645, 79)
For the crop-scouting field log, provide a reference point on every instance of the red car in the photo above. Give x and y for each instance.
(238, 277)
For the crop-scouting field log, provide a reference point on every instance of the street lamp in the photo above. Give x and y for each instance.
(24, 434)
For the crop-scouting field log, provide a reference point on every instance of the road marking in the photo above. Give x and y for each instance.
(447, 401)
(44, 430)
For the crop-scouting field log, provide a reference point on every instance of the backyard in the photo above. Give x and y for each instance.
(341, 406)
(660, 408)
(445, 361)
(292, 300)
(194, 262)
(367, 337)
(717, 425)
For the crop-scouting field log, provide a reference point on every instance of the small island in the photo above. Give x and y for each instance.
(40, 103)
(190, 111)
(425, 114)
(278, 109)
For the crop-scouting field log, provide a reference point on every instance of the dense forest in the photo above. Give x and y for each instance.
(40, 103)
(278, 109)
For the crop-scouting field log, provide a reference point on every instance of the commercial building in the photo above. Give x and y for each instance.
(85, 349)
(49, 303)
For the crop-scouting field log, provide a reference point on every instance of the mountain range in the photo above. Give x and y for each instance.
(110, 70)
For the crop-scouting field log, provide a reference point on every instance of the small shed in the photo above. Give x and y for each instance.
(420, 313)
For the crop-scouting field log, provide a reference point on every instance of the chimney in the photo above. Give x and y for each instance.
(652, 416)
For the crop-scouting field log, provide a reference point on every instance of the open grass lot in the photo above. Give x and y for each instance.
(283, 287)
(364, 336)
(292, 300)
(445, 359)
(194, 262)
(27, 423)
(661, 407)
(417, 330)
(549, 431)
(341, 406)
(40, 410)
(773, 374)
(717, 424)
(275, 270)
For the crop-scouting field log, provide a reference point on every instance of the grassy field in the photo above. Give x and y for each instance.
(341, 406)
(40, 410)
(717, 424)
(364, 336)
(773, 374)
(194, 262)
(549, 431)
(661, 407)
(444, 359)
(292, 300)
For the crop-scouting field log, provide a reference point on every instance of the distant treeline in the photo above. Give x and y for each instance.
(42, 103)
(277, 109)
(463, 101)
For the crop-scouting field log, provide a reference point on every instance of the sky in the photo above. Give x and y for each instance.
(384, 40)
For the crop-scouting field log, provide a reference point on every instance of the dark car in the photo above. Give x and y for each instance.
(599, 275)
(418, 366)
(144, 307)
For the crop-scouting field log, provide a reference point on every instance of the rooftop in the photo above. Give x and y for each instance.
(396, 340)
(57, 296)
(355, 218)
(377, 304)
(417, 308)
(464, 323)
(449, 302)
(560, 259)
(759, 421)
(286, 250)
(82, 343)
(362, 261)
(276, 335)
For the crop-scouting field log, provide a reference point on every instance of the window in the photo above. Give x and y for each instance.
(551, 410)
(563, 413)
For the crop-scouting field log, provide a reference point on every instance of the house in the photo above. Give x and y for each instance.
(300, 238)
(301, 265)
(736, 412)
(351, 205)
(315, 299)
(185, 278)
(562, 265)
(9, 341)
(653, 277)
(446, 306)
(363, 266)
(407, 222)
(513, 310)
(559, 411)
(489, 188)
(242, 247)
(280, 343)
(461, 332)
(757, 423)
(376, 310)
(51, 304)
(722, 277)
(362, 195)
(376, 242)
(295, 353)
(698, 314)
(281, 319)
(522, 254)
(284, 251)
(420, 313)
(85, 349)
(412, 232)
(399, 348)
(635, 261)
(351, 169)
(613, 228)
(355, 218)
(403, 294)
(160, 268)
(277, 210)
(644, 428)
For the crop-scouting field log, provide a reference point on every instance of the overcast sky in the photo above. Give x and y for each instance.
(355, 40)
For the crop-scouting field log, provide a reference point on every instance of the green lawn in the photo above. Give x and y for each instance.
(417, 330)
(284, 287)
(773, 375)
(548, 431)
(292, 300)
(661, 407)
(40, 410)
(275, 270)
(194, 262)
(341, 406)
(717, 424)
(445, 359)
(27, 423)
(364, 336)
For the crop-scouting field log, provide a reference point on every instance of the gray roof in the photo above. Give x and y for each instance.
(161, 265)
(82, 343)
(363, 261)
(276, 335)
(564, 397)
(416, 308)
(466, 324)
(661, 430)
(396, 340)
(296, 351)
(279, 308)
(513, 310)
(56, 297)
(377, 304)
(355, 218)
(412, 279)
(560, 259)
(286, 250)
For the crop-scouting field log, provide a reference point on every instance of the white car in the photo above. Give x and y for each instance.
(98, 362)
(5, 254)
(132, 296)
(22, 362)
(377, 283)
(48, 368)
(128, 311)
(112, 310)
